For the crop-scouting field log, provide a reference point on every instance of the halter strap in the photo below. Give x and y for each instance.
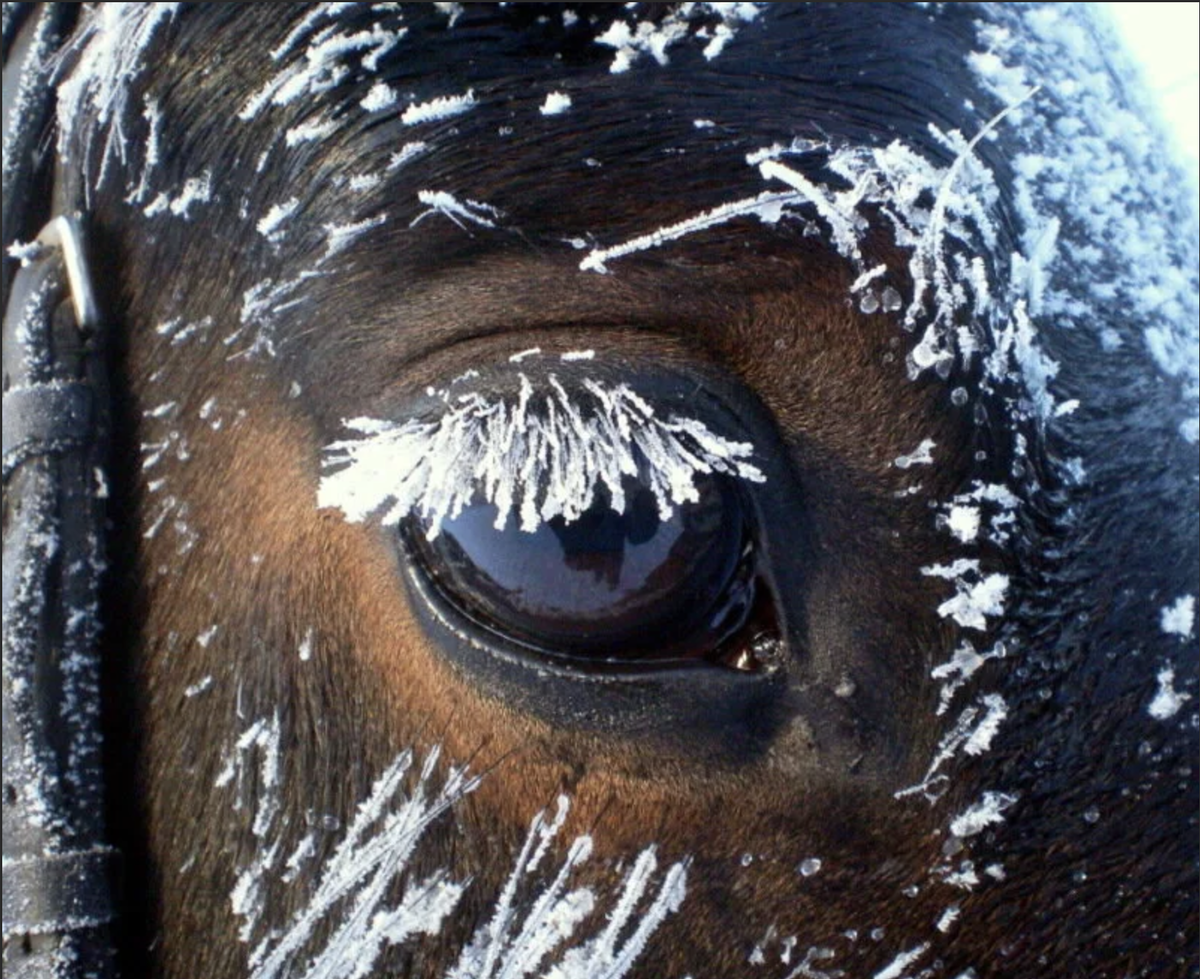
(57, 870)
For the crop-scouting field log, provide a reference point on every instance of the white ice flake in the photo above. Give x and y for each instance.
(339, 237)
(964, 662)
(972, 734)
(900, 964)
(556, 104)
(948, 918)
(978, 595)
(651, 37)
(195, 190)
(272, 225)
(1179, 619)
(199, 687)
(311, 131)
(461, 212)
(988, 811)
(922, 455)
(963, 523)
(541, 454)
(767, 207)
(439, 109)
(381, 96)
(1167, 700)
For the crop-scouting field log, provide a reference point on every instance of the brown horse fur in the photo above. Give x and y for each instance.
(246, 549)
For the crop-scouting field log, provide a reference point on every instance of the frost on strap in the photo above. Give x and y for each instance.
(543, 456)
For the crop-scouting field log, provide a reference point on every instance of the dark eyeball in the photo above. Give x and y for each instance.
(608, 587)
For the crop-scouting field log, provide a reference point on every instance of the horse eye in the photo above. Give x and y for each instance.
(610, 590)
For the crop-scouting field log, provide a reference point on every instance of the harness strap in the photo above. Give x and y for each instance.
(45, 419)
(62, 891)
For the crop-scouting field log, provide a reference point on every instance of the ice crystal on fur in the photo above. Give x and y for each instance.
(540, 455)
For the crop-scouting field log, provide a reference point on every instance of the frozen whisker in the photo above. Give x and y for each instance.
(767, 207)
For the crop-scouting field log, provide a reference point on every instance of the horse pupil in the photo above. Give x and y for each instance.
(607, 586)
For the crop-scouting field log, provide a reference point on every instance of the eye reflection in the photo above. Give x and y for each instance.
(608, 586)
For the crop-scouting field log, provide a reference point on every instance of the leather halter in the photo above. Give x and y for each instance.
(57, 894)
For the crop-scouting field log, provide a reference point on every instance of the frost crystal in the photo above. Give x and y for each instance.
(1179, 619)
(631, 40)
(986, 812)
(542, 455)
(1167, 701)
(899, 965)
(556, 104)
(436, 110)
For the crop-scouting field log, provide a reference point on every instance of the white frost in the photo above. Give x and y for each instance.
(948, 918)
(195, 190)
(439, 109)
(899, 965)
(271, 225)
(461, 212)
(922, 455)
(1179, 619)
(556, 104)
(977, 597)
(541, 454)
(1167, 701)
(988, 811)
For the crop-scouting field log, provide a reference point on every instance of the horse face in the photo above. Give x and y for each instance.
(645, 492)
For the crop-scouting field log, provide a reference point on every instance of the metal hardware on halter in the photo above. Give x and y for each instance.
(58, 869)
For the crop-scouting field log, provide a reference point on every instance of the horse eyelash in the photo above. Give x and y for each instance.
(542, 454)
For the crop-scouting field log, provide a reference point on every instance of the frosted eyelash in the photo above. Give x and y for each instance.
(542, 455)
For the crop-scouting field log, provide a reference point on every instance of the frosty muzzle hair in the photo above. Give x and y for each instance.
(543, 453)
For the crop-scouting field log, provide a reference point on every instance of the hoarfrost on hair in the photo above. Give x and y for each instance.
(900, 964)
(506, 947)
(439, 109)
(978, 595)
(972, 734)
(767, 207)
(312, 131)
(323, 65)
(1179, 618)
(540, 455)
(963, 664)
(339, 237)
(112, 44)
(948, 918)
(461, 212)
(1120, 188)
(195, 190)
(988, 811)
(272, 225)
(1167, 700)
(556, 104)
(632, 40)
(922, 455)
(355, 883)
